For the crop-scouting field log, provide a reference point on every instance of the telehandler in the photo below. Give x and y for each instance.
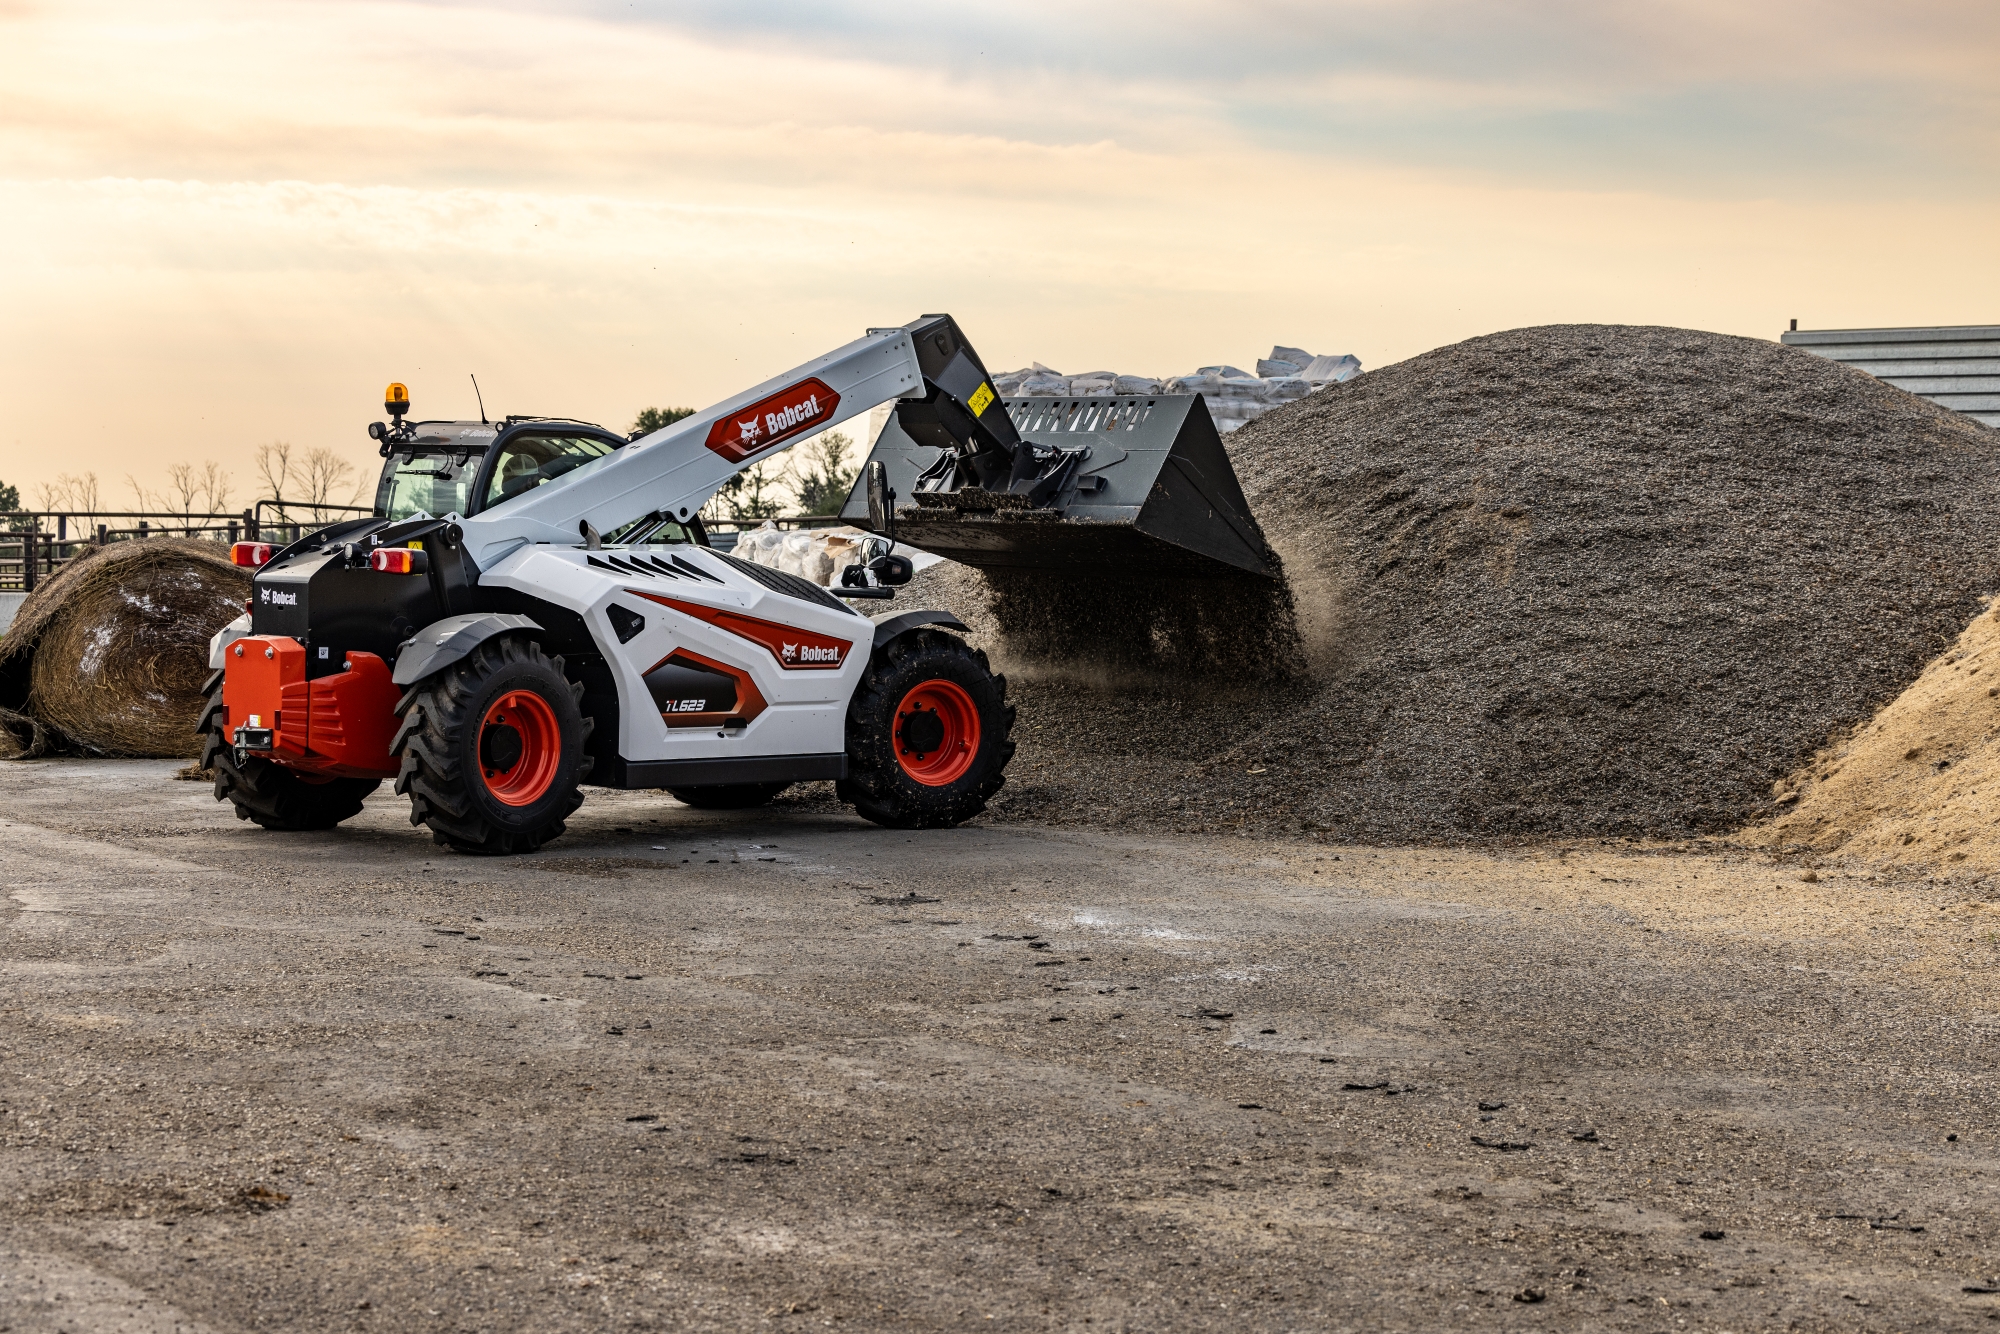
(534, 606)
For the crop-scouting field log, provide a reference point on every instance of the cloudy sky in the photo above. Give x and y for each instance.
(227, 223)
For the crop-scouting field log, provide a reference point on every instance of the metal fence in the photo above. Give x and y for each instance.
(34, 544)
(722, 533)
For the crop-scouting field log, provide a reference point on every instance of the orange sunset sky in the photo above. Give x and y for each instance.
(228, 223)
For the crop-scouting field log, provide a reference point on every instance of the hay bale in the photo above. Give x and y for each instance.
(109, 656)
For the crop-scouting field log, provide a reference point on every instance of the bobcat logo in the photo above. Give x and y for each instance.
(770, 421)
(811, 653)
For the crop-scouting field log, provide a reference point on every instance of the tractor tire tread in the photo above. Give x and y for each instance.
(436, 714)
(876, 785)
(268, 794)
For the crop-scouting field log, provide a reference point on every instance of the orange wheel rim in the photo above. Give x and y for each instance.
(937, 733)
(520, 748)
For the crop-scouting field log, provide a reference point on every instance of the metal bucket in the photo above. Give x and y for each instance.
(1152, 493)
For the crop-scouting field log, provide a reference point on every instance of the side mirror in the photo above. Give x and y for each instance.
(879, 496)
(892, 571)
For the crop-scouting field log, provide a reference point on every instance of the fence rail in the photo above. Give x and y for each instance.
(723, 533)
(35, 544)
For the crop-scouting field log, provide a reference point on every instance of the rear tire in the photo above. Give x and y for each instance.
(269, 794)
(726, 796)
(492, 749)
(927, 734)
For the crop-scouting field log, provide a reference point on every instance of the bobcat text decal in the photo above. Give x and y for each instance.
(811, 655)
(795, 649)
(806, 406)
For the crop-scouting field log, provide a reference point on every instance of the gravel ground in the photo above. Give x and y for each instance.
(782, 1069)
(1578, 580)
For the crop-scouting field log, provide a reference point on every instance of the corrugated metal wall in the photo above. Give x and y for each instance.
(1956, 368)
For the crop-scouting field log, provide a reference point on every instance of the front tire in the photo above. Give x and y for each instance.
(726, 796)
(927, 734)
(269, 794)
(492, 749)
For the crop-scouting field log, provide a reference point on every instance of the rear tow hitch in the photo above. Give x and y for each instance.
(252, 737)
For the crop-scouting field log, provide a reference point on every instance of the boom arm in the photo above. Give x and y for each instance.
(948, 401)
(677, 468)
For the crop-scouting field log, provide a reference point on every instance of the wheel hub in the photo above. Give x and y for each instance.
(499, 748)
(922, 732)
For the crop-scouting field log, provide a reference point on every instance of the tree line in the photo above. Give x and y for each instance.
(812, 477)
(310, 479)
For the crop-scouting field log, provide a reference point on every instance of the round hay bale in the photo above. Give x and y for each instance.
(113, 651)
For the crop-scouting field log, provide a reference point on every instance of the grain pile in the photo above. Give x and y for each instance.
(1916, 787)
(1566, 581)
(109, 656)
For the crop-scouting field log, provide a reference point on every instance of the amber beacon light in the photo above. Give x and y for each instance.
(396, 398)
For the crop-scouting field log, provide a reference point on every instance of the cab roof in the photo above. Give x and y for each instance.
(480, 435)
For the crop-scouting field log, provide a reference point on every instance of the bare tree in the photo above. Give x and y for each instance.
(328, 480)
(52, 495)
(274, 466)
(182, 490)
(83, 493)
(142, 498)
(183, 487)
(215, 487)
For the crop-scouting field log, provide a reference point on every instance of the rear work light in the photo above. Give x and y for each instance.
(251, 554)
(398, 560)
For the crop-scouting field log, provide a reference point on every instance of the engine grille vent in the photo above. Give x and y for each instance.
(805, 590)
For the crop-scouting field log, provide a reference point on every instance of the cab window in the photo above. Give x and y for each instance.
(529, 461)
(433, 484)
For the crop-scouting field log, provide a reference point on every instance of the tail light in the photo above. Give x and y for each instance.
(250, 554)
(398, 560)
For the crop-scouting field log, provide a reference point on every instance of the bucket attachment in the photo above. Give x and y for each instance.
(1136, 485)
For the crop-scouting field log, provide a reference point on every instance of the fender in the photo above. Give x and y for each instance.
(218, 646)
(442, 643)
(889, 626)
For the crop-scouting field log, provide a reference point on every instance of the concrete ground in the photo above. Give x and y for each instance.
(781, 1069)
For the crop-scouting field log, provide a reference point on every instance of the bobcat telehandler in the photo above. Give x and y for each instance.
(534, 605)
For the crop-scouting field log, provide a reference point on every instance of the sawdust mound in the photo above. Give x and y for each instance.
(1569, 581)
(110, 655)
(1918, 786)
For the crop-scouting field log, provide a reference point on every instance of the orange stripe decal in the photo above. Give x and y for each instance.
(795, 649)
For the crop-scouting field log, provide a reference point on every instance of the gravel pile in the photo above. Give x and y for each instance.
(1567, 581)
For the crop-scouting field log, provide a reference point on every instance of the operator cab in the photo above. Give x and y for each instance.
(466, 468)
(432, 472)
